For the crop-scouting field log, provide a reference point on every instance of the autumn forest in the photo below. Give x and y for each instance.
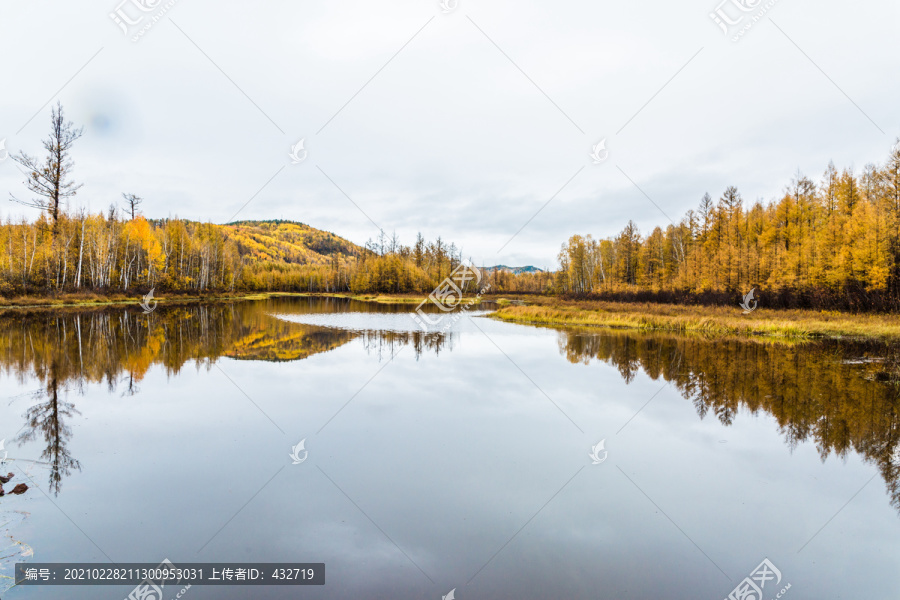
(834, 243)
(831, 243)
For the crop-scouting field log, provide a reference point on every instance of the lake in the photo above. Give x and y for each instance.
(492, 459)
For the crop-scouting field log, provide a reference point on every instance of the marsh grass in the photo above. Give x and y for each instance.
(549, 310)
(403, 298)
(88, 299)
(96, 299)
(716, 321)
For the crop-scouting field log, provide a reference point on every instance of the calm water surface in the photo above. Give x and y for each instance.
(458, 459)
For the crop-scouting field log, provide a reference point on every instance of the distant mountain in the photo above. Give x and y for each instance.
(293, 242)
(516, 270)
(288, 241)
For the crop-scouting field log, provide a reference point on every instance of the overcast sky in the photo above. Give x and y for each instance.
(461, 124)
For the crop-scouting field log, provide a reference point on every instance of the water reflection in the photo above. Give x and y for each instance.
(70, 349)
(48, 420)
(843, 396)
(118, 346)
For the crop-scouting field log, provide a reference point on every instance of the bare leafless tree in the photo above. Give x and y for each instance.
(132, 203)
(49, 177)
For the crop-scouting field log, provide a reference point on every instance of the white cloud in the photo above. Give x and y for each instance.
(450, 138)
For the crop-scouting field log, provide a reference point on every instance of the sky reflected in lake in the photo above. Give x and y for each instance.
(448, 460)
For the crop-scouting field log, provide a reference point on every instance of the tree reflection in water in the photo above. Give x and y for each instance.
(47, 420)
(843, 396)
(68, 350)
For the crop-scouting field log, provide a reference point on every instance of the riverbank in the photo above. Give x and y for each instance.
(551, 310)
(75, 300)
(90, 298)
(708, 320)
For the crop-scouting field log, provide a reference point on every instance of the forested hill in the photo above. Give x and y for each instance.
(124, 252)
(288, 241)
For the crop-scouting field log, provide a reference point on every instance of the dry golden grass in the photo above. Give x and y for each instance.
(710, 320)
(379, 298)
(390, 298)
(73, 299)
(93, 299)
(549, 310)
(405, 298)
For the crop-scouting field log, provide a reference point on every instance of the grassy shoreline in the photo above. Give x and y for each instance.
(707, 320)
(554, 311)
(75, 300)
